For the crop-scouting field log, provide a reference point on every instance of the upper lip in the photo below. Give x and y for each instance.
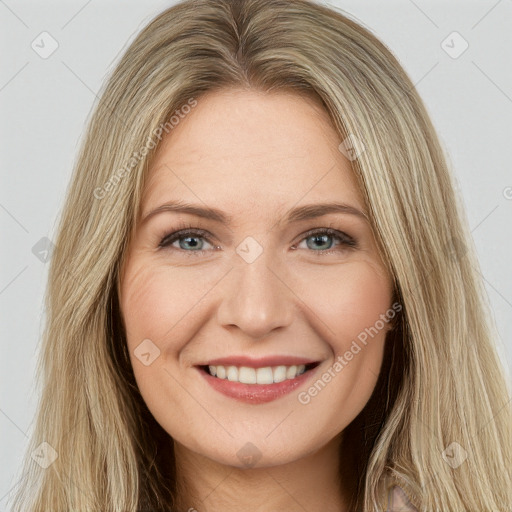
(258, 362)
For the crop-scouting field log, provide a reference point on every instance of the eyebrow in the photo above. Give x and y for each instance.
(300, 213)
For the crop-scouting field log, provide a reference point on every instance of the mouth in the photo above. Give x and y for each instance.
(253, 376)
(257, 385)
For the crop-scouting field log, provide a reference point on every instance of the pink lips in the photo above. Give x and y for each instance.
(256, 393)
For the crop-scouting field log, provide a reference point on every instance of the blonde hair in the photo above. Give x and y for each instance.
(441, 381)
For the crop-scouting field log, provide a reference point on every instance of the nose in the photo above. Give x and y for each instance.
(256, 297)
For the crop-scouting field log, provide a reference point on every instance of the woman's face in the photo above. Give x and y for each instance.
(259, 290)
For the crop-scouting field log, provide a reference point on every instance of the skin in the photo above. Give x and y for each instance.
(254, 156)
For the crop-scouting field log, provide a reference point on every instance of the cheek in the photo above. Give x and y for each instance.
(154, 300)
(161, 303)
(349, 300)
(145, 299)
(352, 306)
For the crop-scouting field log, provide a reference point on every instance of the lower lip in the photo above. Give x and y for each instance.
(255, 393)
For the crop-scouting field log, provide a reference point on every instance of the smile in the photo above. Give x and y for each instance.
(256, 385)
(265, 375)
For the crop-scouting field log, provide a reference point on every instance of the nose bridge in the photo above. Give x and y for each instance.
(255, 298)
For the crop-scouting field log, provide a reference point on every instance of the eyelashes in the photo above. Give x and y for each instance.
(181, 234)
(319, 235)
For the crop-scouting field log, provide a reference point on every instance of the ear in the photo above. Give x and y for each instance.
(398, 501)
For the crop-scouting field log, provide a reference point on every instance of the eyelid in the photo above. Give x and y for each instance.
(176, 234)
(346, 239)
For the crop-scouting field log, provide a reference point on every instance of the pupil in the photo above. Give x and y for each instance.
(319, 238)
(190, 238)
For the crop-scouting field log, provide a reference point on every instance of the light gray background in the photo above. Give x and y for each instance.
(45, 103)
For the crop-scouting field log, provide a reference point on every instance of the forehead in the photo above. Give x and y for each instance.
(249, 148)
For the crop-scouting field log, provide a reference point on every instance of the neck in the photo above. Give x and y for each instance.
(313, 483)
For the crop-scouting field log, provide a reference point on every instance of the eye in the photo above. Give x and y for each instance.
(189, 241)
(320, 237)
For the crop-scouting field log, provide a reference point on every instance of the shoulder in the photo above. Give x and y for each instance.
(398, 501)
(398, 495)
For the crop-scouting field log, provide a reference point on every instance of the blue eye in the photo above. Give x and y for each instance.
(189, 241)
(319, 237)
(189, 237)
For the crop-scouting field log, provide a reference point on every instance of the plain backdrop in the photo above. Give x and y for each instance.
(46, 100)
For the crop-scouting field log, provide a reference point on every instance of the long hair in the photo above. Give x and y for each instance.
(442, 390)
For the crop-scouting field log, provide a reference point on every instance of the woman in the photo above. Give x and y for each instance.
(200, 352)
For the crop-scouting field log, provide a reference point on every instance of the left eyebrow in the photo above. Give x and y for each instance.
(312, 211)
(298, 214)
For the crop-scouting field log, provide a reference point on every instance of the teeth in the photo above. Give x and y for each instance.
(247, 375)
(232, 373)
(291, 371)
(266, 375)
(279, 373)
